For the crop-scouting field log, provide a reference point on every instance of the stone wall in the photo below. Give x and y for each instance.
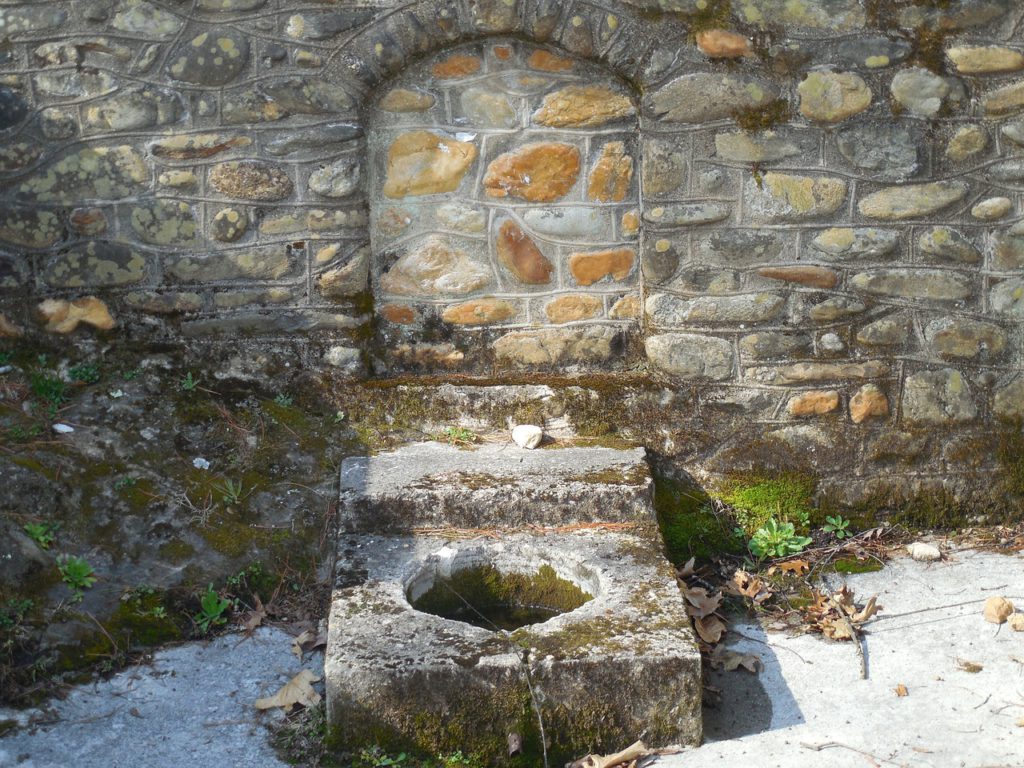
(823, 198)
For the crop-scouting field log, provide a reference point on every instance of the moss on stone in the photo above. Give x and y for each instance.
(752, 119)
(485, 586)
(855, 565)
(758, 498)
(688, 523)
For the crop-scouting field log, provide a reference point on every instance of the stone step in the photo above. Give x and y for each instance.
(432, 485)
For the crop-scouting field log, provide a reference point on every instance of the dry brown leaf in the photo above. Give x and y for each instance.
(1016, 622)
(710, 629)
(298, 690)
(794, 566)
(836, 629)
(901, 690)
(969, 666)
(747, 585)
(731, 660)
(701, 604)
(629, 755)
(997, 610)
(686, 569)
(255, 618)
(307, 641)
(869, 610)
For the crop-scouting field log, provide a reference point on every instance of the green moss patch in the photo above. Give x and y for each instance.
(757, 499)
(688, 523)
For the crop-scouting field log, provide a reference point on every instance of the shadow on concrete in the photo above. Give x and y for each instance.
(750, 703)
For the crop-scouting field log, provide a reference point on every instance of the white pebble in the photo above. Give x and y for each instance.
(923, 552)
(527, 436)
(63, 429)
(200, 463)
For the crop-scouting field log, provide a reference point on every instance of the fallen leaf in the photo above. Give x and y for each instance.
(731, 660)
(969, 666)
(255, 618)
(997, 610)
(687, 568)
(701, 604)
(794, 566)
(865, 613)
(836, 629)
(298, 690)
(901, 690)
(1016, 622)
(307, 641)
(747, 585)
(710, 629)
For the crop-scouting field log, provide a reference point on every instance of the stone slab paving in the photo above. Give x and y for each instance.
(193, 706)
(811, 693)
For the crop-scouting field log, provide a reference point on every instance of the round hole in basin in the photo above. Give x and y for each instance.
(484, 596)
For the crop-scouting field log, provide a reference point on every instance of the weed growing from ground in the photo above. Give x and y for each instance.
(86, 373)
(76, 573)
(188, 383)
(837, 526)
(212, 608)
(284, 400)
(775, 539)
(42, 534)
(230, 491)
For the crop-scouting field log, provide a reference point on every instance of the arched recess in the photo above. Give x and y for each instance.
(504, 209)
(605, 46)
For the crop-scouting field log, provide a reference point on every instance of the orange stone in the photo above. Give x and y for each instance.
(589, 267)
(630, 223)
(406, 100)
(610, 177)
(722, 44)
(539, 173)
(521, 255)
(8, 329)
(869, 401)
(813, 403)
(479, 312)
(817, 277)
(582, 106)
(63, 316)
(459, 65)
(626, 308)
(502, 52)
(548, 62)
(565, 309)
(398, 313)
(88, 221)
(423, 163)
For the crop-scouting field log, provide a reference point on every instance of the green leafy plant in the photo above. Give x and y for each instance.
(76, 573)
(131, 375)
(375, 757)
(18, 432)
(124, 482)
(775, 539)
(838, 526)
(188, 382)
(230, 491)
(457, 436)
(13, 613)
(211, 609)
(49, 388)
(42, 534)
(87, 373)
(284, 400)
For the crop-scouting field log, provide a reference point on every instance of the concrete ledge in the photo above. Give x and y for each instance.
(623, 666)
(427, 485)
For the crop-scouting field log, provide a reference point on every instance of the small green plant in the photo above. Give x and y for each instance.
(6, 357)
(230, 491)
(86, 373)
(339, 417)
(211, 609)
(76, 573)
(18, 432)
(42, 534)
(838, 526)
(49, 388)
(375, 757)
(131, 375)
(125, 482)
(284, 400)
(188, 383)
(775, 539)
(457, 436)
(784, 498)
(13, 613)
